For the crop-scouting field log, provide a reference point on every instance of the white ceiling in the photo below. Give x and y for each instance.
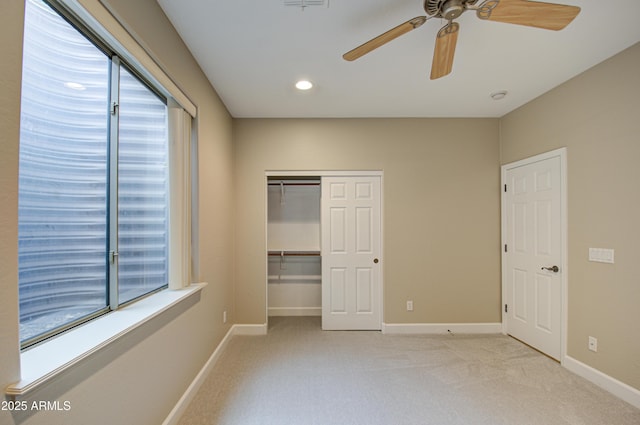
(254, 51)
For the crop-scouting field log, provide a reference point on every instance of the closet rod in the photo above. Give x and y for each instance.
(293, 184)
(294, 253)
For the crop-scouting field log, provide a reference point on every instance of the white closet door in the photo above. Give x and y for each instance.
(351, 247)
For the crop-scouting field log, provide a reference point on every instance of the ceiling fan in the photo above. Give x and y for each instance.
(521, 12)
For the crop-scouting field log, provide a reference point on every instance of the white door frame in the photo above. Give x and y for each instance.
(562, 154)
(325, 173)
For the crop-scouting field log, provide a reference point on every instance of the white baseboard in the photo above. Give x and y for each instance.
(621, 390)
(441, 328)
(182, 404)
(295, 311)
(260, 329)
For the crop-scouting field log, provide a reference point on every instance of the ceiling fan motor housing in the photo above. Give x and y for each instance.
(447, 9)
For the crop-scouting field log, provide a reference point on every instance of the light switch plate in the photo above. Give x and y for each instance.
(601, 255)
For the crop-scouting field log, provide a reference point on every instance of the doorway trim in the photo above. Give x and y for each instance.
(562, 154)
(323, 173)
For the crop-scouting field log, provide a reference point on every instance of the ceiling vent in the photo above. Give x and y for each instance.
(306, 3)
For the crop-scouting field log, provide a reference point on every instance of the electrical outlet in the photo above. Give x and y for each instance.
(593, 344)
(409, 305)
(224, 316)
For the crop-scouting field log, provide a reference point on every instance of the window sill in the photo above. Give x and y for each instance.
(42, 363)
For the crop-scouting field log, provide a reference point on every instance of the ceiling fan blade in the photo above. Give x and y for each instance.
(384, 38)
(444, 51)
(549, 16)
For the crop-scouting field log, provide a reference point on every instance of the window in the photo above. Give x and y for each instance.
(93, 185)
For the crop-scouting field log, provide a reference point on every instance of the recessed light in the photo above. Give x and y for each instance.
(74, 86)
(304, 85)
(499, 95)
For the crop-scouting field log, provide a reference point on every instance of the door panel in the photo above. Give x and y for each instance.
(364, 288)
(364, 191)
(520, 295)
(519, 227)
(350, 219)
(533, 237)
(338, 290)
(338, 242)
(544, 224)
(364, 230)
(544, 302)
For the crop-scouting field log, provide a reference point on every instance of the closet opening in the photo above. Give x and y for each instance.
(324, 247)
(294, 263)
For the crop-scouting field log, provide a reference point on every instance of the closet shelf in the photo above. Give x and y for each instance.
(291, 253)
(294, 183)
(298, 278)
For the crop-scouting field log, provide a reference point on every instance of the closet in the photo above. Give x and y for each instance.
(324, 247)
(293, 246)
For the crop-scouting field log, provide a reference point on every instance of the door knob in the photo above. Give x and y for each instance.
(375, 260)
(554, 269)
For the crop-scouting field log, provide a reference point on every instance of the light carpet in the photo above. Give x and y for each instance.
(301, 375)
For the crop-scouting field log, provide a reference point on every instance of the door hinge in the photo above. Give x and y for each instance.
(505, 188)
(505, 248)
(114, 107)
(506, 308)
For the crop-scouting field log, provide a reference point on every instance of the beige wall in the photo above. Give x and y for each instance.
(597, 117)
(441, 207)
(441, 220)
(139, 379)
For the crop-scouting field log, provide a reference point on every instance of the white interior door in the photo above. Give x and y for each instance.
(533, 253)
(351, 247)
